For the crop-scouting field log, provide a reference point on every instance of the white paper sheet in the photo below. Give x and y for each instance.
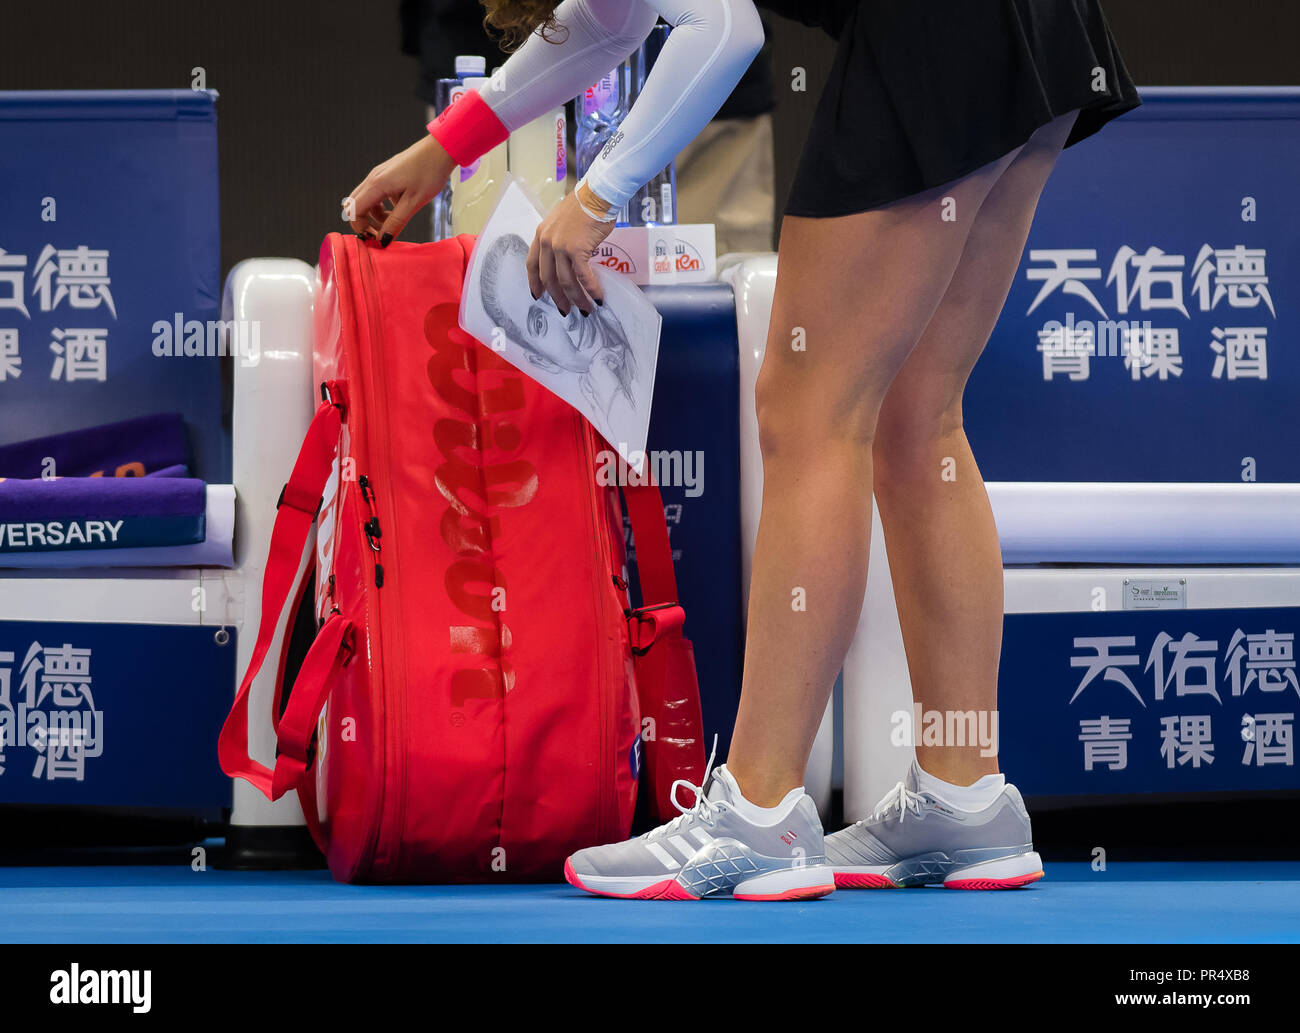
(603, 364)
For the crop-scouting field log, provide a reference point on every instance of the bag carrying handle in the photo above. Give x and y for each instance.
(299, 502)
(330, 651)
(654, 553)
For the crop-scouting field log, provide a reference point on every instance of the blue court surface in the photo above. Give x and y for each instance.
(1257, 902)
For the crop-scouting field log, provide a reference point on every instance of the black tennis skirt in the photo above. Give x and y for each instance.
(923, 92)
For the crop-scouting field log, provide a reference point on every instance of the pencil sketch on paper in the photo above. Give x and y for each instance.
(602, 364)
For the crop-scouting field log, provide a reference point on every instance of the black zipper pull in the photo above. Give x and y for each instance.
(371, 526)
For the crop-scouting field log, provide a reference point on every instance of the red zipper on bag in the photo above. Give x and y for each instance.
(358, 432)
(390, 661)
(604, 702)
(360, 443)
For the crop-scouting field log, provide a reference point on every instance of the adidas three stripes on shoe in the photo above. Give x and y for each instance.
(713, 849)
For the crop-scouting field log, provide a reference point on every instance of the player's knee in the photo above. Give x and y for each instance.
(914, 442)
(802, 418)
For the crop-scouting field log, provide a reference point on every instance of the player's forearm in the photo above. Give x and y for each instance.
(708, 50)
(592, 37)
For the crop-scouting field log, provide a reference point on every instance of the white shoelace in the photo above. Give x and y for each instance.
(900, 798)
(703, 808)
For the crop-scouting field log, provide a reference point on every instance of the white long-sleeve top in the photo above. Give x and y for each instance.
(710, 46)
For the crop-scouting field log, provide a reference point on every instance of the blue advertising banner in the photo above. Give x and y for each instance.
(1150, 334)
(113, 715)
(111, 233)
(694, 442)
(1150, 701)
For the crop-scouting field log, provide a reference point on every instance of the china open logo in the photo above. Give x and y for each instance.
(611, 256)
(687, 258)
(676, 256)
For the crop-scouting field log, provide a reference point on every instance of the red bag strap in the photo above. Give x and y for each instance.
(330, 650)
(666, 681)
(660, 612)
(654, 554)
(296, 510)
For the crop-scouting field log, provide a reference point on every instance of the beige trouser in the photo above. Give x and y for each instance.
(726, 176)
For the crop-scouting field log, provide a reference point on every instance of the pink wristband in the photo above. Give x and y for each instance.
(468, 129)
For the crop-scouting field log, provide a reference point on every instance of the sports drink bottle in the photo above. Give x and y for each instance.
(537, 157)
(474, 188)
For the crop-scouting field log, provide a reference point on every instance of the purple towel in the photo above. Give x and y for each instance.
(145, 446)
(100, 513)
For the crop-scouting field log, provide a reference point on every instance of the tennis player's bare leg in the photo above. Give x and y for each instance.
(853, 297)
(944, 555)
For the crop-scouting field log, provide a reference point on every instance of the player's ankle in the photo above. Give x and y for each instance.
(763, 787)
(956, 766)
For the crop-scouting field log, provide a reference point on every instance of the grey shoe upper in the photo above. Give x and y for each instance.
(711, 847)
(911, 823)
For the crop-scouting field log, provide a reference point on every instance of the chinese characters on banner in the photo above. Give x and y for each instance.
(1231, 284)
(1187, 680)
(73, 281)
(114, 714)
(49, 724)
(1150, 701)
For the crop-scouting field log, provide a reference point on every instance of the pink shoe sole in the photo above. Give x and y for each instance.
(670, 889)
(804, 893)
(859, 881)
(994, 884)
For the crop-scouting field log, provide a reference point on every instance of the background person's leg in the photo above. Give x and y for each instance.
(944, 555)
(853, 295)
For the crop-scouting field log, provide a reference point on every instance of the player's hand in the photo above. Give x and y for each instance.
(406, 181)
(559, 261)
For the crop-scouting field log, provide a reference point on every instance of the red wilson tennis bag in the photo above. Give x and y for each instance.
(471, 707)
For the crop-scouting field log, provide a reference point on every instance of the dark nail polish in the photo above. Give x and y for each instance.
(600, 303)
(385, 240)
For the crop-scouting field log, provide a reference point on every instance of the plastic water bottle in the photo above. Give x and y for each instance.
(474, 187)
(599, 110)
(470, 64)
(442, 93)
(537, 156)
(653, 204)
